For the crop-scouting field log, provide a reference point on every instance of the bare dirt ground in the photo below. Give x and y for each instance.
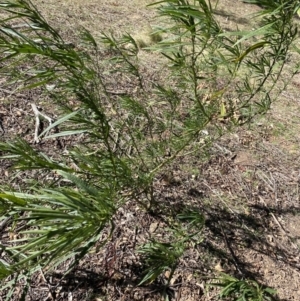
(248, 189)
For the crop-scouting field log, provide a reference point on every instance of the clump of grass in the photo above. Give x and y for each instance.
(242, 290)
(147, 37)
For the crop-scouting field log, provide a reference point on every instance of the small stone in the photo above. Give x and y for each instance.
(153, 227)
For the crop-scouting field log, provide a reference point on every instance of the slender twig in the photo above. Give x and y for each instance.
(48, 285)
(278, 223)
(12, 93)
(234, 258)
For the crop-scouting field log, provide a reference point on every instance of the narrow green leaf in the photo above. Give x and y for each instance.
(59, 121)
(14, 199)
(250, 49)
(248, 34)
(66, 133)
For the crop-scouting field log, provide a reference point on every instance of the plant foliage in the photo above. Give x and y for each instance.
(216, 80)
(243, 290)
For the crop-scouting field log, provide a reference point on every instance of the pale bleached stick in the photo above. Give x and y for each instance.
(37, 114)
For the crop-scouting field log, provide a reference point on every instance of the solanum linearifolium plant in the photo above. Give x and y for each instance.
(217, 80)
(241, 290)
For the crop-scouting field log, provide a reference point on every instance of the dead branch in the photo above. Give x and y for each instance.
(39, 114)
